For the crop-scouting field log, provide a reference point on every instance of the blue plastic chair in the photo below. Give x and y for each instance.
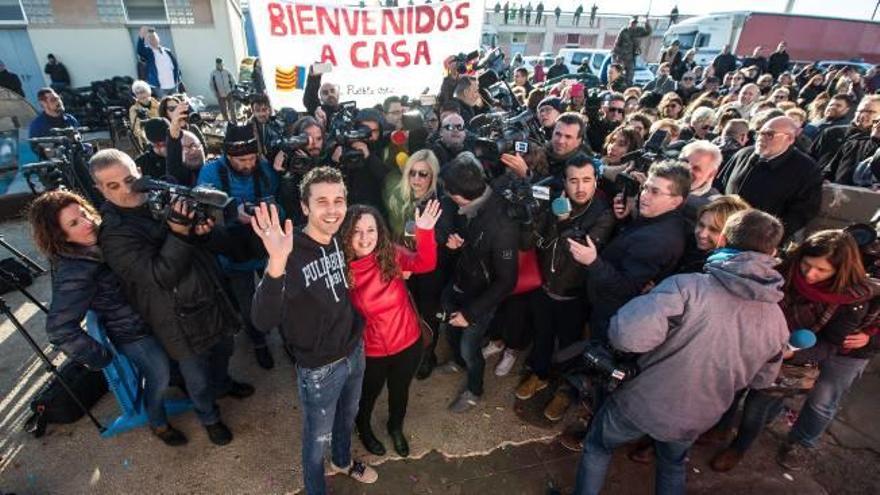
(126, 384)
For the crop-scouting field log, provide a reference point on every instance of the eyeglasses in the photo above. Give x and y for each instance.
(422, 174)
(327, 91)
(654, 191)
(454, 127)
(614, 110)
(687, 78)
(769, 134)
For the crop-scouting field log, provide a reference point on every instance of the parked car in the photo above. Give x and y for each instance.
(530, 61)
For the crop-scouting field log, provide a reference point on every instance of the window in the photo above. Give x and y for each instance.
(518, 38)
(573, 39)
(145, 10)
(10, 10)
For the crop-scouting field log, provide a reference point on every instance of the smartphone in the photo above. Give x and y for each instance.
(428, 100)
(521, 146)
(319, 68)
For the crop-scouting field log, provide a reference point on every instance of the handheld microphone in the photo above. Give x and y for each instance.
(801, 339)
(561, 206)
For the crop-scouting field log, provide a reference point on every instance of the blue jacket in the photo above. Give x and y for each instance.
(82, 282)
(242, 189)
(146, 53)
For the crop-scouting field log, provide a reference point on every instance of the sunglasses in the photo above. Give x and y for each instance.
(454, 127)
(687, 78)
(422, 174)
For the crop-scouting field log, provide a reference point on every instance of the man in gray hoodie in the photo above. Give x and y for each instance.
(702, 337)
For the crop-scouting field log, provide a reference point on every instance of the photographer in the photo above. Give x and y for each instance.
(144, 107)
(249, 180)
(485, 273)
(52, 117)
(694, 356)
(152, 162)
(645, 250)
(559, 310)
(365, 175)
(292, 165)
(173, 281)
(317, 96)
(185, 155)
(166, 108)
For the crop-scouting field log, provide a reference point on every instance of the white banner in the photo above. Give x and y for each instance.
(375, 52)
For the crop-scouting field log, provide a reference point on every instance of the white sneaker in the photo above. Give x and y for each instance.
(357, 471)
(506, 363)
(492, 348)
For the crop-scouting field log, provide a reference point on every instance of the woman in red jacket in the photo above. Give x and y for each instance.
(392, 344)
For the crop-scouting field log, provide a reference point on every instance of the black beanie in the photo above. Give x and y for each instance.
(239, 140)
(156, 130)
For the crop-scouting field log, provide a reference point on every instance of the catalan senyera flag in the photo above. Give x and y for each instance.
(290, 78)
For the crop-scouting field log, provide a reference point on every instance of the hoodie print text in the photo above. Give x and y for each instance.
(329, 268)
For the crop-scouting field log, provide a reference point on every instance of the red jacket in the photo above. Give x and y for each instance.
(392, 323)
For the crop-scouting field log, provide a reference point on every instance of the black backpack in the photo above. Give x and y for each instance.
(53, 404)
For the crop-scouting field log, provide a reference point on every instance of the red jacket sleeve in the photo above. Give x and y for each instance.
(424, 259)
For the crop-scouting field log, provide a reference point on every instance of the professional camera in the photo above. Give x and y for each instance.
(589, 365)
(205, 202)
(344, 130)
(67, 163)
(652, 151)
(523, 197)
(463, 60)
(243, 94)
(121, 134)
(499, 133)
(868, 241)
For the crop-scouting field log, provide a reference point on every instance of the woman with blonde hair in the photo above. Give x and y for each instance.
(417, 184)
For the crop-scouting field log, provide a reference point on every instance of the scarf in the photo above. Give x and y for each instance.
(819, 293)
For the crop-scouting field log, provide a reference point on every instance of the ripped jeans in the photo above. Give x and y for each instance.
(329, 396)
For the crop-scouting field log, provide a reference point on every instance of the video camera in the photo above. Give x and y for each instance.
(463, 60)
(642, 158)
(344, 131)
(243, 93)
(499, 133)
(596, 365)
(524, 198)
(66, 166)
(205, 202)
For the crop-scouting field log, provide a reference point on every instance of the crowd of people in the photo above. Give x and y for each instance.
(365, 251)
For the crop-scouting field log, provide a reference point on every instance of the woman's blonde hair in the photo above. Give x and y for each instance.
(428, 157)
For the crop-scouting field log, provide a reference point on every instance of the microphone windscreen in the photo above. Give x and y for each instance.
(560, 206)
(210, 196)
(143, 184)
(802, 339)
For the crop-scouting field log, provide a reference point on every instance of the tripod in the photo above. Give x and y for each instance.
(50, 367)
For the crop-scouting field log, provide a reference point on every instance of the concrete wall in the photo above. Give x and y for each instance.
(90, 53)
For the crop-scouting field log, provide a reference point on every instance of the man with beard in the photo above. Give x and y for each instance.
(452, 138)
(467, 94)
(185, 155)
(249, 180)
(52, 116)
(393, 108)
(323, 97)
(604, 121)
(835, 113)
(261, 110)
(831, 139)
(549, 109)
(704, 158)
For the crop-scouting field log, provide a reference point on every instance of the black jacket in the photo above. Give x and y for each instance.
(487, 266)
(152, 165)
(562, 275)
(777, 63)
(789, 186)
(365, 179)
(557, 70)
(82, 282)
(831, 139)
(310, 304)
(854, 150)
(174, 283)
(723, 64)
(646, 250)
(312, 101)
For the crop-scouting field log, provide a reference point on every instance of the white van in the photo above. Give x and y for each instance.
(573, 57)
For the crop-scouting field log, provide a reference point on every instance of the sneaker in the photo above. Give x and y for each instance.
(492, 348)
(527, 389)
(726, 460)
(239, 390)
(573, 440)
(450, 368)
(358, 471)
(508, 359)
(264, 358)
(466, 401)
(169, 435)
(219, 433)
(555, 410)
(643, 452)
(793, 456)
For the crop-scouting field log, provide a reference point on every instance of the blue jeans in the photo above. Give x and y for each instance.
(329, 396)
(207, 378)
(610, 429)
(467, 342)
(150, 360)
(836, 375)
(242, 285)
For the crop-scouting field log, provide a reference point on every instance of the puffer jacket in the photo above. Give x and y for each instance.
(81, 281)
(392, 324)
(172, 281)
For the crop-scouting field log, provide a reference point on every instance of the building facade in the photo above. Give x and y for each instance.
(95, 39)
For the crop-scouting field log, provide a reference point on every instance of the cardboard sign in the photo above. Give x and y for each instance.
(375, 52)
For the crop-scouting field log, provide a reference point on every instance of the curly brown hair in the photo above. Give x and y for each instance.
(43, 213)
(386, 255)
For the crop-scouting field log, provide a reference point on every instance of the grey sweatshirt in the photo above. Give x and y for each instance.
(704, 336)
